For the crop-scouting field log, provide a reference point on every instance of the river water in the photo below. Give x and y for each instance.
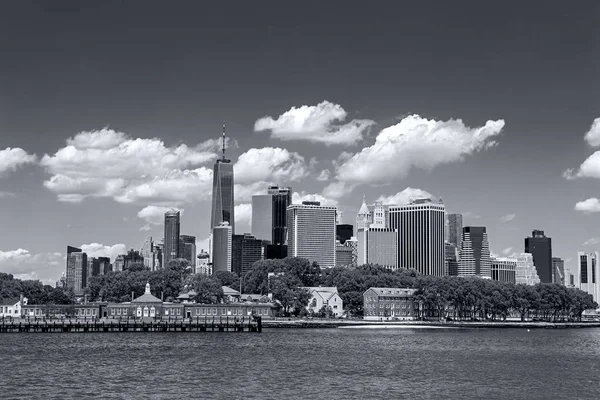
(405, 363)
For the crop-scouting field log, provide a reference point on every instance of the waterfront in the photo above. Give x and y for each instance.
(305, 363)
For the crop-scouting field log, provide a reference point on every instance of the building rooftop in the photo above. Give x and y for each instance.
(392, 291)
(147, 297)
(10, 301)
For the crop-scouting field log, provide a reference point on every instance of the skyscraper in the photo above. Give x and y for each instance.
(420, 226)
(171, 245)
(525, 271)
(282, 199)
(222, 247)
(344, 232)
(147, 253)
(222, 194)
(364, 217)
(187, 248)
(378, 246)
(474, 253)
(262, 216)
(269, 214)
(77, 267)
(455, 229)
(586, 277)
(246, 251)
(504, 269)
(311, 232)
(540, 247)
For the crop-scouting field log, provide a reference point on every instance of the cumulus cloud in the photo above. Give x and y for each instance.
(299, 197)
(317, 124)
(244, 192)
(47, 267)
(338, 189)
(592, 241)
(507, 251)
(415, 142)
(13, 158)
(406, 196)
(592, 137)
(145, 228)
(100, 250)
(590, 168)
(243, 215)
(106, 163)
(269, 164)
(323, 175)
(155, 215)
(507, 217)
(591, 205)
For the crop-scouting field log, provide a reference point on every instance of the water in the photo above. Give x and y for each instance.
(307, 363)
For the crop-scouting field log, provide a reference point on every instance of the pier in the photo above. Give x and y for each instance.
(206, 324)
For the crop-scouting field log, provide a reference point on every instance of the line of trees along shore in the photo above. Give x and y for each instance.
(436, 297)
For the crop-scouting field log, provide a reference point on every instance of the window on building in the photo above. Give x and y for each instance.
(118, 311)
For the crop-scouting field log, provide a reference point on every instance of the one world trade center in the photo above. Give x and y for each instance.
(222, 192)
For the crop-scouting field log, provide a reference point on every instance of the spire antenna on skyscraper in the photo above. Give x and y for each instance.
(223, 140)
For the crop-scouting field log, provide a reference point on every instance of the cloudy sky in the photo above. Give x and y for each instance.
(111, 113)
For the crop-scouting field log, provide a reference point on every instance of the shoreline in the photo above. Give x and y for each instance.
(358, 324)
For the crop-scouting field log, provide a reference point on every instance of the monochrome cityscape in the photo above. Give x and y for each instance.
(421, 235)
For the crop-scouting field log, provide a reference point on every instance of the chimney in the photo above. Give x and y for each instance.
(132, 295)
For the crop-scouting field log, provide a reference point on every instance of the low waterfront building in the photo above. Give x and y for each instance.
(325, 296)
(385, 304)
(12, 307)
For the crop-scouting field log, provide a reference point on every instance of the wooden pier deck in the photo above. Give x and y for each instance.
(244, 324)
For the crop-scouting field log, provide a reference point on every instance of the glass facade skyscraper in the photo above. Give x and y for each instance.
(540, 247)
(475, 253)
(171, 245)
(282, 199)
(222, 195)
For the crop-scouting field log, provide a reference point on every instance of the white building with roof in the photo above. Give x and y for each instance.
(12, 307)
(325, 296)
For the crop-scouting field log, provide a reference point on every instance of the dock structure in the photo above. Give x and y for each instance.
(206, 324)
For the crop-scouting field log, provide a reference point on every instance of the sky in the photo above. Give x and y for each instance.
(111, 113)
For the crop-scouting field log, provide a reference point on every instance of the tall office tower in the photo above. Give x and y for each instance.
(311, 232)
(525, 272)
(455, 229)
(119, 264)
(587, 273)
(246, 250)
(420, 228)
(187, 248)
(364, 219)
(222, 192)
(282, 199)
(262, 216)
(504, 269)
(540, 247)
(222, 247)
(451, 259)
(474, 259)
(344, 232)
(76, 269)
(91, 262)
(353, 244)
(378, 246)
(558, 270)
(147, 253)
(171, 244)
(132, 257)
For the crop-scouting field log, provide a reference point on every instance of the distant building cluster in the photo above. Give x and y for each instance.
(420, 235)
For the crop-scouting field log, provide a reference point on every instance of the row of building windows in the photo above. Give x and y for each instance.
(392, 305)
(391, 314)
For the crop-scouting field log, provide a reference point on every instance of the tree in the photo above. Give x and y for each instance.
(287, 292)
(208, 289)
(227, 278)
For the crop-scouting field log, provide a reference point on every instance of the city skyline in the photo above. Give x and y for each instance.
(513, 109)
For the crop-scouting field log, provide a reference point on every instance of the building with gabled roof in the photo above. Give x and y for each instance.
(325, 296)
(12, 307)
